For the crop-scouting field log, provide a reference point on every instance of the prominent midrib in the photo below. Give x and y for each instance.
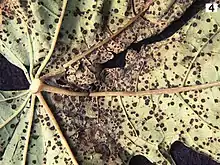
(52, 89)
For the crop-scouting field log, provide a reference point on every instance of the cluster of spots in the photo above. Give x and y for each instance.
(45, 146)
(11, 106)
(92, 131)
(110, 129)
(95, 20)
(12, 151)
(44, 135)
(28, 29)
(92, 24)
(113, 128)
(82, 74)
(123, 79)
(188, 115)
(148, 125)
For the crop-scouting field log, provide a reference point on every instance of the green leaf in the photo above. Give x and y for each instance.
(97, 29)
(11, 105)
(119, 127)
(28, 30)
(44, 147)
(73, 38)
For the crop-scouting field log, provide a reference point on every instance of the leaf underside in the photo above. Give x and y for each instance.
(110, 129)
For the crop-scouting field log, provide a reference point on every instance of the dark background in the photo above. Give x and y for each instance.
(12, 78)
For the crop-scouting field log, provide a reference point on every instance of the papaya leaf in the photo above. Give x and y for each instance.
(168, 94)
(28, 131)
(28, 27)
(173, 95)
(112, 24)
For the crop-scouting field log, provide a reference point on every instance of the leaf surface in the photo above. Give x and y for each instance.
(73, 38)
(102, 27)
(119, 127)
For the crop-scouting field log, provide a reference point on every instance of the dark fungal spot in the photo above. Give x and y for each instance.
(12, 125)
(50, 26)
(208, 20)
(194, 50)
(52, 128)
(48, 38)
(194, 24)
(42, 22)
(199, 32)
(116, 10)
(134, 104)
(198, 82)
(47, 118)
(174, 58)
(57, 97)
(202, 100)
(204, 39)
(13, 106)
(196, 138)
(70, 36)
(112, 21)
(18, 20)
(56, 20)
(9, 101)
(84, 32)
(120, 20)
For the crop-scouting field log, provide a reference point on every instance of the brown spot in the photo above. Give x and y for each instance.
(57, 97)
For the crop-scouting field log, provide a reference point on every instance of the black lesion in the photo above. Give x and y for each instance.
(11, 77)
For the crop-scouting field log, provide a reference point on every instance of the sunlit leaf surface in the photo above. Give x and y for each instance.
(70, 40)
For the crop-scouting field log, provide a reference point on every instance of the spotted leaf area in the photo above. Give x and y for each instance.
(19, 144)
(28, 27)
(11, 105)
(113, 129)
(74, 124)
(98, 29)
(29, 134)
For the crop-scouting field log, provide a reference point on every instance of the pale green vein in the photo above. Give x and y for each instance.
(33, 98)
(14, 97)
(126, 114)
(47, 58)
(31, 56)
(196, 56)
(16, 112)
